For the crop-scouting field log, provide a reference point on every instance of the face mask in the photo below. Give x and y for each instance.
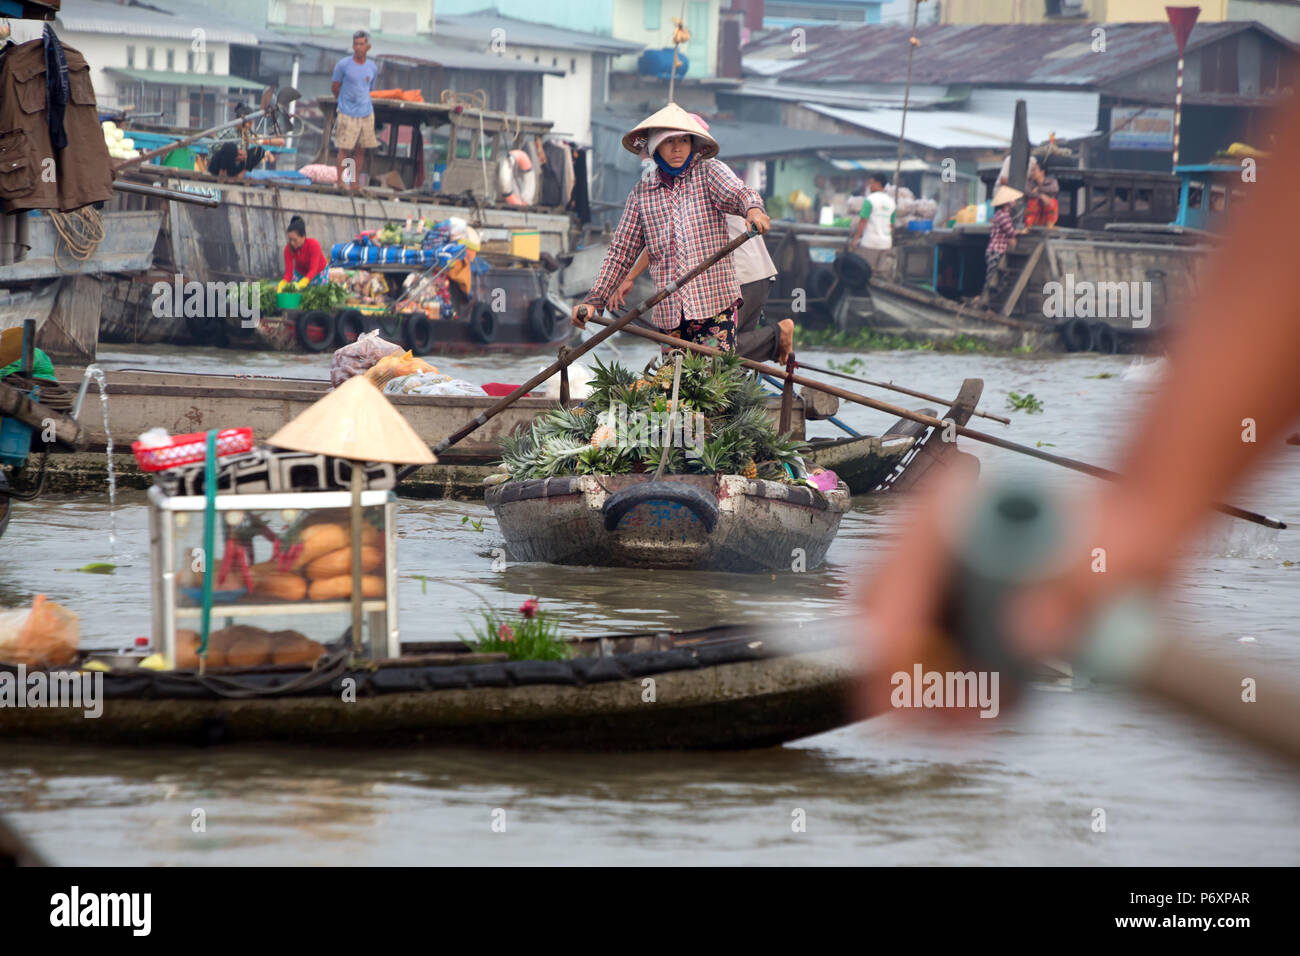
(673, 170)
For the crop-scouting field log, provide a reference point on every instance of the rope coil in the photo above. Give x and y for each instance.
(81, 231)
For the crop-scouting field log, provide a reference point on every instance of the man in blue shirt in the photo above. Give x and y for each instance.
(354, 124)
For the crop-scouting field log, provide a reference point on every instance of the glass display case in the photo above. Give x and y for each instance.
(281, 566)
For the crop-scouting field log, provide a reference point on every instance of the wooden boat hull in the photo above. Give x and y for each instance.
(695, 522)
(861, 463)
(189, 402)
(728, 692)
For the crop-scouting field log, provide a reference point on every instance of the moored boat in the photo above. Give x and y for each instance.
(698, 522)
(722, 688)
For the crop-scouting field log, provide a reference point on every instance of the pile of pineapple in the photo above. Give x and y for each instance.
(737, 437)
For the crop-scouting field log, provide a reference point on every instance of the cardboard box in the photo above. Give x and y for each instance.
(526, 244)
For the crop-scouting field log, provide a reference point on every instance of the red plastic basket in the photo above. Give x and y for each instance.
(192, 448)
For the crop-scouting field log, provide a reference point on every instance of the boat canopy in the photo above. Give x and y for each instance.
(476, 140)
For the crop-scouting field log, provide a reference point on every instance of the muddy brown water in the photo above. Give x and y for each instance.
(1023, 790)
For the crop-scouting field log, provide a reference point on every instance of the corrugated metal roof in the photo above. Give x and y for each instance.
(476, 28)
(427, 51)
(953, 129)
(880, 165)
(752, 140)
(996, 54)
(859, 96)
(91, 16)
(199, 9)
(169, 78)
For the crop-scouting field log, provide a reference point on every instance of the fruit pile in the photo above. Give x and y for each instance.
(721, 426)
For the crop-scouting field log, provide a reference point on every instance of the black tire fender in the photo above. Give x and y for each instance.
(350, 325)
(702, 504)
(482, 323)
(315, 319)
(853, 270)
(417, 333)
(1104, 339)
(1076, 336)
(541, 320)
(820, 282)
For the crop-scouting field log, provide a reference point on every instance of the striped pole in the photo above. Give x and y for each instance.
(1178, 110)
(1181, 21)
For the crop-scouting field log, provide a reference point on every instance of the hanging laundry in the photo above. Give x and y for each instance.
(82, 171)
(56, 87)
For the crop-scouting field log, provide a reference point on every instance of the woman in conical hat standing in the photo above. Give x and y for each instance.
(1002, 236)
(678, 213)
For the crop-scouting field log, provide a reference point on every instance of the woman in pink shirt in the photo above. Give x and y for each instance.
(304, 263)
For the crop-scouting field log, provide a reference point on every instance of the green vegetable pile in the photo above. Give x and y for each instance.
(327, 296)
(390, 235)
(266, 297)
(617, 429)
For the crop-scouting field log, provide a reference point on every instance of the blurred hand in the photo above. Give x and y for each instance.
(581, 311)
(284, 284)
(759, 220)
(903, 603)
(302, 283)
(619, 295)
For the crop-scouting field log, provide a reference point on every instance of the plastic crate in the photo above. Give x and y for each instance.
(191, 449)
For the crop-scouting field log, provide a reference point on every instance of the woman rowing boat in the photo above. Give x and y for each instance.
(678, 212)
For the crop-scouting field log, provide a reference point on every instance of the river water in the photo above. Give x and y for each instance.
(1023, 791)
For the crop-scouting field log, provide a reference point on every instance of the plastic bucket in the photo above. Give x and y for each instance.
(288, 300)
(15, 441)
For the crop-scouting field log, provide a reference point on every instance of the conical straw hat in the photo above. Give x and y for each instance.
(356, 422)
(1006, 194)
(671, 117)
(11, 345)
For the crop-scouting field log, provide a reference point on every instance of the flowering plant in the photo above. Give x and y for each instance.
(527, 635)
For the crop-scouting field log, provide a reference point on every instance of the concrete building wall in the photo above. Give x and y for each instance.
(566, 100)
(589, 16)
(106, 50)
(389, 16)
(1284, 18)
(650, 22)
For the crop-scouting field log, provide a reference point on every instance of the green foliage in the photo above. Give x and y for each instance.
(523, 636)
(327, 296)
(266, 297)
(1027, 403)
(738, 434)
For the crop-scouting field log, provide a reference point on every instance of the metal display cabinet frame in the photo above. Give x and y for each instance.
(381, 614)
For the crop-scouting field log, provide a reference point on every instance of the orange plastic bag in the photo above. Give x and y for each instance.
(395, 366)
(45, 636)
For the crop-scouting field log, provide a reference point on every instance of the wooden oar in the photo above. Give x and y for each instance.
(773, 370)
(569, 355)
(896, 388)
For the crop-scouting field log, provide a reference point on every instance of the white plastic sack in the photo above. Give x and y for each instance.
(431, 383)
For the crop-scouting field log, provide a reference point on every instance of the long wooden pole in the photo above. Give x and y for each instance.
(585, 347)
(145, 157)
(777, 372)
(912, 44)
(897, 388)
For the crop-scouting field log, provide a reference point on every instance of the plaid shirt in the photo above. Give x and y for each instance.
(1001, 234)
(683, 222)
